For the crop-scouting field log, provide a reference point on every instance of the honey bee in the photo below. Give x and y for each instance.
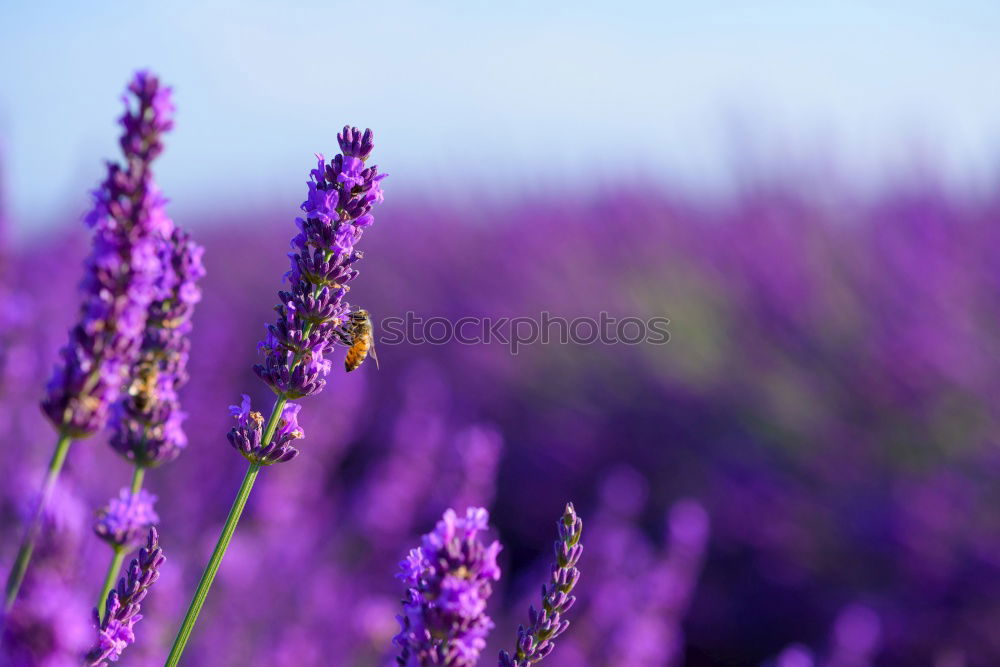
(143, 386)
(358, 334)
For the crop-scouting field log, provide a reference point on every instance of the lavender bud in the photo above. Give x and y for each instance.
(535, 642)
(450, 578)
(117, 631)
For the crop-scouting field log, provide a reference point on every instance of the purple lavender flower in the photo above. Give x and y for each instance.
(398, 487)
(147, 421)
(246, 436)
(795, 655)
(857, 633)
(48, 625)
(535, 641)
(117, 631)
(478, 449)
(337, 209)
(127, 219)
(450, 578)
(126, 518)
(662, 591)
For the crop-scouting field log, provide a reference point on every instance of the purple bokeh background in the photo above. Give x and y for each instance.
(805, 474)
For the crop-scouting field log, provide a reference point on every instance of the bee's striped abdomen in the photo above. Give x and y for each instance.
(358, 352)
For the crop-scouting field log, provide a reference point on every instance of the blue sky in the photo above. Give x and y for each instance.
(494, 95)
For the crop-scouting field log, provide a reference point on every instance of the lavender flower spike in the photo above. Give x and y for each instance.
(117, 631)
(127, 219)
(535, 642)
(450, 578)
(129, 223)
(146, 423)
(337, 210)
(126, 518)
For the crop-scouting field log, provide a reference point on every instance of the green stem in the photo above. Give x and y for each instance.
(17, 572)
(119, 551)
(109, 579)
(208, 576)
(137, 476)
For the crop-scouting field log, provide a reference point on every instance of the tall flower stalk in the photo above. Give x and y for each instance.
(146, 421)
(535, 642)
(311, 315)
(127, 218)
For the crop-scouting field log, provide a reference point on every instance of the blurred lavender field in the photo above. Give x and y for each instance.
(805, 474)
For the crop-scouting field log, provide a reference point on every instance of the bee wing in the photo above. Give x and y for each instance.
(371, 351)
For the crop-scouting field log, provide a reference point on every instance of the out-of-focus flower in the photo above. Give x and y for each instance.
(147, 421)
(117, 631)
(652, 635)
(478, 449)
(795, 655)
(389, 503)
(125, 519)
(127, 219)
(310, 314)
(857, 633)
(49, 625)
(246, 436)
(854, 642)
(536, 641)
(450, 577)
